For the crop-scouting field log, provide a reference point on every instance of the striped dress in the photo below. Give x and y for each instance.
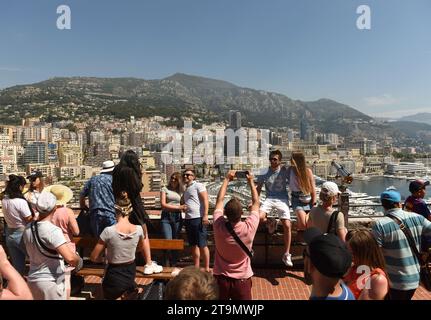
(402, 265)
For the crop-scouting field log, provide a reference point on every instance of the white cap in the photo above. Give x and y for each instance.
(331, 188)
(46, 203)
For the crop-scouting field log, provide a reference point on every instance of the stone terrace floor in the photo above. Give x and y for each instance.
(268, 284)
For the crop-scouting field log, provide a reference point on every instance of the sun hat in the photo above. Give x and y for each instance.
(62, 193)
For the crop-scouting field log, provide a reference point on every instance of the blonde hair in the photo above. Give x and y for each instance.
(123, 206)
(192, 284)
(180, 187)
(300, 168)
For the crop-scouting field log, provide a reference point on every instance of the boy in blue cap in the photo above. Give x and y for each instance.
(402, 265)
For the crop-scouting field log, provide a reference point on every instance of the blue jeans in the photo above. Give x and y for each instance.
(171, 224)
(100, 222)
(16, 248)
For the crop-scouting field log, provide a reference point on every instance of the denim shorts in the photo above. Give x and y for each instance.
(196, 232)
(298, 205)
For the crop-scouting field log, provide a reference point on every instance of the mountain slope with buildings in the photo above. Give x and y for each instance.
(182, 96)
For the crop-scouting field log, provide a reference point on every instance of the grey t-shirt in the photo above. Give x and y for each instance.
(275, 183)
(43, 268)
(172, 197)
(195, 207)
(121, 247)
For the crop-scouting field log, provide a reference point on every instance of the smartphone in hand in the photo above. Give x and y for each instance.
(241, 174)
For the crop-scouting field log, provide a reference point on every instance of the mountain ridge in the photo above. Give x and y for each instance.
(181, 96)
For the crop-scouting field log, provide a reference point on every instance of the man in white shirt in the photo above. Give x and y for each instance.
(196, 219)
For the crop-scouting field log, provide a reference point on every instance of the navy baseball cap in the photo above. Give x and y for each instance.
(417, 185)
(328, 253)
(391, 195)
(34, 175)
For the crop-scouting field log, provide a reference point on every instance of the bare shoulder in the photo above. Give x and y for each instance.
(379, 280)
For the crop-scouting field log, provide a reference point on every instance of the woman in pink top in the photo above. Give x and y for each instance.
(63, 217)
(232, 265)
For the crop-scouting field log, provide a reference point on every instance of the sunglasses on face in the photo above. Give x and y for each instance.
(187, 175)
(273, 159)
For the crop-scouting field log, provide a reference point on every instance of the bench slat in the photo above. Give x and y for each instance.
(156, 244)
(99, 272)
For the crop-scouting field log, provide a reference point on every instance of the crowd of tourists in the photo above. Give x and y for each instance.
(382, 262)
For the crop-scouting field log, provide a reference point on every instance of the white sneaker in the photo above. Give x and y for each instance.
(271, 224)
(287, 259)
(152, 268)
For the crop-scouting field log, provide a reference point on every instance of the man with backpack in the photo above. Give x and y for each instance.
(324, 217)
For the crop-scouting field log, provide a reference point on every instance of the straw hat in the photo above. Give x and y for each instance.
(62, 193)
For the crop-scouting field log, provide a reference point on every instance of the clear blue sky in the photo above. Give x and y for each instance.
(306, 49)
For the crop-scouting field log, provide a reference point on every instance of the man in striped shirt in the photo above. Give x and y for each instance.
(402, 265)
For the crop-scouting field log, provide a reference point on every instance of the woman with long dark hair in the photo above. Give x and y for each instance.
(17, 213)
(171, 220)
(367, 278)
(302, 187)
(126, 177)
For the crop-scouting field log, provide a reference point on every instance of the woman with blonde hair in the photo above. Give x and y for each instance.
(367, 278)
(302, 188)
(171, 220)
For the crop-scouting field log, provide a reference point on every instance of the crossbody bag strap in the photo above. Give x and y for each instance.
(238, 240)
(40, 244)
(409, 237)
(332, 220)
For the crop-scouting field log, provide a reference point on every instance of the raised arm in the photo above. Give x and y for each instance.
(255, 202)
(222, 192)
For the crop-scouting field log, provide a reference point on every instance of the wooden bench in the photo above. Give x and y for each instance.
(155, 244)
(99, 271)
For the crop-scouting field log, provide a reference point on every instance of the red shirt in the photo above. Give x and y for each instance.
(352, 280)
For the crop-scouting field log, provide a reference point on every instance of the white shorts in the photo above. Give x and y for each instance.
(281, 205)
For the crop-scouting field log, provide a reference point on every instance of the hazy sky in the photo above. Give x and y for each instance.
(306, 49)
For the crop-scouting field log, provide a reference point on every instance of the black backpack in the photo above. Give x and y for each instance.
(332, 221)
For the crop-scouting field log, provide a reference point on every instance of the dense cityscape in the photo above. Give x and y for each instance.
(70, 153)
